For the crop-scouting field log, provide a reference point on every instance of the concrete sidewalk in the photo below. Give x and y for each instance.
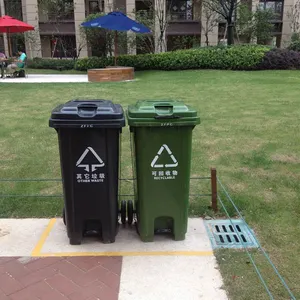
(52, 78)
(38, 261)
(44, 78)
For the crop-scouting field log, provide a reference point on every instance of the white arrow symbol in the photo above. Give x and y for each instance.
(87, 167)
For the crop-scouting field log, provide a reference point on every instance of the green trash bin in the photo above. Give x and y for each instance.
(161, 135)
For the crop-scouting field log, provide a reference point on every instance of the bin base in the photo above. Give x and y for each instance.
(108, 239)
(76, 240)
(147, 239)
(150, 238)
(179, 237)
(92, 228)
(161, 225)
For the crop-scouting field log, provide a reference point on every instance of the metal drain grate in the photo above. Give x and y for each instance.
(230, 234)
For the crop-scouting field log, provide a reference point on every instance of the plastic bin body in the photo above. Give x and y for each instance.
(162, 140)
(89, 138)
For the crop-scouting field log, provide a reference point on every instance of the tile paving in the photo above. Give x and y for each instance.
(60, 278)
(160, 270)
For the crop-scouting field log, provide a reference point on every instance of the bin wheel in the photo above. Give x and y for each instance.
(129, 212)
(64, 216)
(123, 212)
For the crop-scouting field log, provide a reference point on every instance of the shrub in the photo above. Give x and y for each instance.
(295, 42)
(280, 59)
(50, 63)
(84, 64)
(242, 57)
(295, 46)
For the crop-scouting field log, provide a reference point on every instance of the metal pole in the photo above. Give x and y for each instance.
(9, 43)
(214, 201)
(116, 46)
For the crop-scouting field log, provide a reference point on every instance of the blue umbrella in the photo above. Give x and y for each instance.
(119, 22)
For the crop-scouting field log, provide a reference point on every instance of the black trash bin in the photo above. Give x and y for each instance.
(89, 138)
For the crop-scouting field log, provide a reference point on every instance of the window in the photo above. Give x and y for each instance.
(275, 6)
(63, 46)
(142, 5)
(61, 11)
(177, 42)
(96, 7)
(180, 10)
(13, 8)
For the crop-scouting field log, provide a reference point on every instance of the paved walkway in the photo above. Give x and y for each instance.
(73, 278)
(44, 78)
(37, 262)
(50, 78)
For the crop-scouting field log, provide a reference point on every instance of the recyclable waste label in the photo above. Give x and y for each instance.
(164, 168)
(89, 167)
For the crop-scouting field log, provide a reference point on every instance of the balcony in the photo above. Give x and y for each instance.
(57, 29)
(62, 24)
(61, 18)
(180, 16)
(179, 10)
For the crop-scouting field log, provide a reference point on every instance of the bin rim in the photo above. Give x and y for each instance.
(161, 113)
(88, 113)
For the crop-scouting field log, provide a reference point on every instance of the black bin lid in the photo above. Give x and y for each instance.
(88, 114)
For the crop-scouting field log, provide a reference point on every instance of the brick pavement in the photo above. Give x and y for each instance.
(60, 278)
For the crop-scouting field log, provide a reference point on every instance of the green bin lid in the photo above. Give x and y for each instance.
(161, 113)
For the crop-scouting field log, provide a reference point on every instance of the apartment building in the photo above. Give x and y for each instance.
(185, 21)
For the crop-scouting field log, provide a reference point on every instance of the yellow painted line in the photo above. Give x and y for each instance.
(124, 253)
(37, 250)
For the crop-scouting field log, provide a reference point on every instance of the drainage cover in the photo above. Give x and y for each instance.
(230, 234)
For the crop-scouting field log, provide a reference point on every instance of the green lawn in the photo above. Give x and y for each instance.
(250, 132)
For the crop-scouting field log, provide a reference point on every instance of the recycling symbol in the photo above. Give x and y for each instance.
(174, 163)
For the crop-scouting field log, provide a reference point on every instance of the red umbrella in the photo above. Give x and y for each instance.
(10, 25)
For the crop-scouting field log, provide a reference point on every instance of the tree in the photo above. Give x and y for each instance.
(159, 8)
(32, 39)
(255, 25)
(145, 42)
(263, 25)
(97, 38)
(101, 40)
(54, 12)
(211, 20)
(179, 42)
(80, 45)
(227, 10)
(158, 17)
(245, 26)
(294, 17)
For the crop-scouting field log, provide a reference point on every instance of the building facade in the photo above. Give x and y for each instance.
(183, 27)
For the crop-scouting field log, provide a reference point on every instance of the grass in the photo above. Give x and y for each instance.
(249, 132)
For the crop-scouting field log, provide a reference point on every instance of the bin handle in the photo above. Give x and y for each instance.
(165, 112)
(87, 109)
(87, 105)
(167, 117)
